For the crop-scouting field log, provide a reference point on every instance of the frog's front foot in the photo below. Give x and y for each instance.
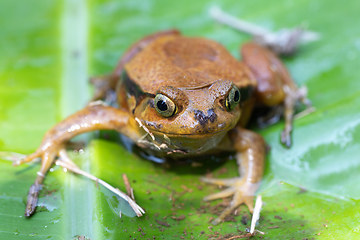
(48, 158)
(242, 191)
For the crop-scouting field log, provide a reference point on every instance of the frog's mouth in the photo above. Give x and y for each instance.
(182, 143)
(206, 135)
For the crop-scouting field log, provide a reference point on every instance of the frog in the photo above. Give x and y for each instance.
(181, 97)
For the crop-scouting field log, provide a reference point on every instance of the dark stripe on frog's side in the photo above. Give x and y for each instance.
(246, 93)
(134, 89)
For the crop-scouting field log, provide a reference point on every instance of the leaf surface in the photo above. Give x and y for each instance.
(50, 48)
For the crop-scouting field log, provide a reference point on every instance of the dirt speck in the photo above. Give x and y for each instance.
(165, 224)
(180, 218)
(244, 219)
(223, 170)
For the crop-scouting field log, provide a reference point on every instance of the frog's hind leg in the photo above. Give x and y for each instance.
(275, 85)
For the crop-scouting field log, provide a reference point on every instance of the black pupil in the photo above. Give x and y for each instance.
(236, 96)
(161, 105)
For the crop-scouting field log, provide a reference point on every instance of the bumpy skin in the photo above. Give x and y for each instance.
(198, 76)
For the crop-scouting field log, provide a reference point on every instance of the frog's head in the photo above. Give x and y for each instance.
(185, 91)
(191, 119)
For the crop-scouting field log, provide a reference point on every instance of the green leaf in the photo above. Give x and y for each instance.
(50, 48)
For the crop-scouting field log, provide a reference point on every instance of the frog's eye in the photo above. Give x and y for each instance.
(233, 98)
(164, 105)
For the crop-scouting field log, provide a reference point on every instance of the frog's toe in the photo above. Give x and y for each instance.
(242, 191)
(28, 158)
(225, 213)
(220, 182)
(238, 199)
(32, 199)
(286, 137)
(229, 182)
(223, 194)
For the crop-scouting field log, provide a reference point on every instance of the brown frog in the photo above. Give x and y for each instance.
(181, 97)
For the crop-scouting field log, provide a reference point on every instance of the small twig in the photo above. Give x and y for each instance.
(262, 233)
(304, 113)
(283, 42)
(129, 189)
(246, 235)
(64, 163)
(241, 25)
(149, 144)
(97, 102)
(145, 128)
(64, 156)
(256, 214)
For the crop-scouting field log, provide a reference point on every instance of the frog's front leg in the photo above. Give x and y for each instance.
(275, 85)
(250, 148)
(93, 117)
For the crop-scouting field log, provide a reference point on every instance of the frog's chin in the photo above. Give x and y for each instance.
(188, 144)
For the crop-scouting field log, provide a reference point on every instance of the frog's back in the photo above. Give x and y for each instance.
(184, 62)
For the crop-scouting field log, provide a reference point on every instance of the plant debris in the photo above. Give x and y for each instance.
(165, 224)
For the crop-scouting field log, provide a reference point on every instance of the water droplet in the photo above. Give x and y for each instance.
(56, 220)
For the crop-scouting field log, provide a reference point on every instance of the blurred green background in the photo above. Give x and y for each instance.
(48, 51)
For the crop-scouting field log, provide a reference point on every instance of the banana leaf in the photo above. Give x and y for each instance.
(49, 50)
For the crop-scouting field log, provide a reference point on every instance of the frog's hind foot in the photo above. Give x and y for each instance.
(241, 190)
(292, 98)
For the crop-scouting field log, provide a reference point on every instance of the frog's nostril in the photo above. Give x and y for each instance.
(212, 115)
(203, 119)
